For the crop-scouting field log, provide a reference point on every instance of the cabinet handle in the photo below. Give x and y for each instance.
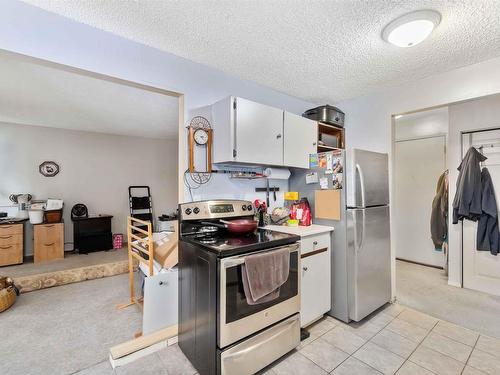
(48, 226)
(315, 243)
(304, 268)
(311, 253)
(314, 144)
(48, 244)
(278, 136)
(5, 226)
(5, 237)
(5, 247)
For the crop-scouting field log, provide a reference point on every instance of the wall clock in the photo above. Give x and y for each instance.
(200, 134)
(49, 168)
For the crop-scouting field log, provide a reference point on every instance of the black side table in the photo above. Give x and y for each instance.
(92, 233)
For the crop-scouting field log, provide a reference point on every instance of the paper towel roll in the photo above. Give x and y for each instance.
(277, 173)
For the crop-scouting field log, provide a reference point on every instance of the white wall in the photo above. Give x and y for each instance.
(34, 32)
(96, 169)
(368, 119)
(422, 124)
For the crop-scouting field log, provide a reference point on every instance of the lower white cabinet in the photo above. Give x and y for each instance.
(315, 298)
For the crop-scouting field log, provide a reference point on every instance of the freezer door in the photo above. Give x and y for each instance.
(368, 260)
(367, 178)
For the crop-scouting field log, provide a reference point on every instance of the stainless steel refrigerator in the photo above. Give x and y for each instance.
(361, 258)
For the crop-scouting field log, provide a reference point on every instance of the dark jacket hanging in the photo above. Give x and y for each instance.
(467, 201)
(439, 213)
(488, 237)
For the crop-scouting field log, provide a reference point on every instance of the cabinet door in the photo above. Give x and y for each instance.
(300, 139)
(259, 133)
(315, 299)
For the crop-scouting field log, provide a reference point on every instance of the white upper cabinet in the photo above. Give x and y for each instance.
(300, 140)
(252, 133)
(259, 133)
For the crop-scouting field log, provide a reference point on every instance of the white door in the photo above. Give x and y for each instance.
(315, 297)
(481, 270)
(300, 137)
(418, 165)
(259, 133)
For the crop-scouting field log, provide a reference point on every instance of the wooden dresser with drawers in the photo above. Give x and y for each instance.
(11, 243)
(48, 242)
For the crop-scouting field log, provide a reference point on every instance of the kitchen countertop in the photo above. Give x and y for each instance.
(12, 221)
(301, 231)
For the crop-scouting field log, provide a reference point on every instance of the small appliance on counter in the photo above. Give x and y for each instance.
(222, 330)
(22, 201)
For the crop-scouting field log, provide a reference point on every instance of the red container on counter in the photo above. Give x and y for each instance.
(305, 220)
(301, 211)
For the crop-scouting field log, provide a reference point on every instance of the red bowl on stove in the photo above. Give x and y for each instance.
(240, 225)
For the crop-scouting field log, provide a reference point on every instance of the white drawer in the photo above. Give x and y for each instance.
(314, 243)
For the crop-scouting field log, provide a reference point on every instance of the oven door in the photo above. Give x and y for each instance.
(238, 319)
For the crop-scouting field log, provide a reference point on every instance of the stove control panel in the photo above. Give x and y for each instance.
(216, 209)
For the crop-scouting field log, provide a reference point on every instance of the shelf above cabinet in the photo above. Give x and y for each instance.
(327, 131)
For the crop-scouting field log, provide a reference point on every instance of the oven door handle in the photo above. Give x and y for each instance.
(236, 261)
(233, 262)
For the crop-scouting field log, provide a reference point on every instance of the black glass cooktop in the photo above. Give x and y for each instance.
(225, 243)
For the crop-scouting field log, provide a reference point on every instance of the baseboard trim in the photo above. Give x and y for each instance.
(454, 283)
(420, 264)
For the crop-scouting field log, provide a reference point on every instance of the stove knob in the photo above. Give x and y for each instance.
(196, 210)
(244, 208)
(249, 207)
(188, 211)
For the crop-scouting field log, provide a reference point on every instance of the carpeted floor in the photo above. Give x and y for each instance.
(426, 289)
(66, 329)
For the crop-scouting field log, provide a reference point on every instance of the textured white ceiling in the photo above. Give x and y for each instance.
(321, 51)
(42, 95)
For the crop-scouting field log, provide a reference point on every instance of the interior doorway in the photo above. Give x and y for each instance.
(419, 164)
(469, 295)
(101, 134)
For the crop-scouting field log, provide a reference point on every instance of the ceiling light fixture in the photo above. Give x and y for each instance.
(412, 28)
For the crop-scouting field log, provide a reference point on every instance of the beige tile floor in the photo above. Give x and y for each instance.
(395, 340)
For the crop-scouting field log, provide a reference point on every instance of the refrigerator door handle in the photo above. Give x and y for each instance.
(359, 239)
(355, 231)
(361, 184)
(363, 229)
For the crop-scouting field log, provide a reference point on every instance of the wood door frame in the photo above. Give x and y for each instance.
(181, 162)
